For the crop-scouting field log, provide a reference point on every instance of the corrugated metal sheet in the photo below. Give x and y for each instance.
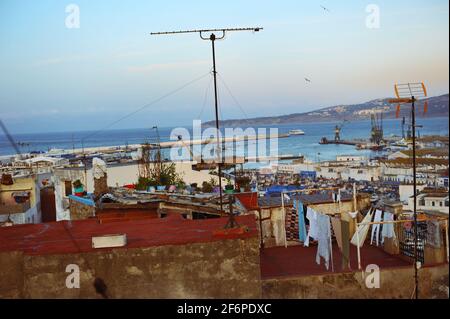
(76, 236)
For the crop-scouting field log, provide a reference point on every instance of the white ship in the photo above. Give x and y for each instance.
(296, 132)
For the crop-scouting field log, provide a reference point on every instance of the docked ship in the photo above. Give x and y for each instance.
(296, 132)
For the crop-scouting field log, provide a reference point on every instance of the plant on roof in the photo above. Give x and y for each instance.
(77, 183)
(229, 185)
(164, 174)
(208, 187)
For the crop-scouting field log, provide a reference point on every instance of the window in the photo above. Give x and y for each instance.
(433, 203)
(440, 204)
(68, 188)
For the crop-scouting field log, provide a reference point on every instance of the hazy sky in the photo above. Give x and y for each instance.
(54, 78)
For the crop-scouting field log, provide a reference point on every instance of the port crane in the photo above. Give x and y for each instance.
(337, 131)
(376, 134)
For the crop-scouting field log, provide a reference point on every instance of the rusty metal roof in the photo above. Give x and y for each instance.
(76, 236)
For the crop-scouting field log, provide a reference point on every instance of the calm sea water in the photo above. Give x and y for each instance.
(307, 144)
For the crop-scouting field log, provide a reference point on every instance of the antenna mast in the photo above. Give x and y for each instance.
(213, 37)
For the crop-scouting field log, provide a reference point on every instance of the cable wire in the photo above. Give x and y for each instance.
(234, 98)
(146, 105)
(205, 98)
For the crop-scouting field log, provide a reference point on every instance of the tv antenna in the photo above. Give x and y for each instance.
(213, 37)
(409, 93)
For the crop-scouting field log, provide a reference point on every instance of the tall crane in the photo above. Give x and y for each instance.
(376, 135)
(337, 131)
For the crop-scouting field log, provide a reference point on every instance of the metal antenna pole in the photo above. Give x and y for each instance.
(413, 116)
(216, 104)
(158, 154)
(408, 93)
(213, 38)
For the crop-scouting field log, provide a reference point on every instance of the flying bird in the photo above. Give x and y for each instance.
(307, 80)
(325, 9)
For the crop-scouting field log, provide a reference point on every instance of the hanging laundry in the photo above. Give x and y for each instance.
(363, 230)
(433, 233)
(346, 216)
(292, 230)
(324, 239)
(345, 238)
(336, 223)
(278, 232)
(301, 222)
(388, 229)
(353, 214)
(376, 227)
(311, 214)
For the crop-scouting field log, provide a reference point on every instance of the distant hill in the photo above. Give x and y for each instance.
(437, 107)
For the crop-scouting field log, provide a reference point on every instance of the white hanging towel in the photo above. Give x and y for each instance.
(324, 239)
(362, 231)
(278, 230)
(376, 227)
(388, 229)
(311, 214)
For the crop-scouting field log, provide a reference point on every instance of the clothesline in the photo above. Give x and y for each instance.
(399, 221)
(309, 190)
(298, 191)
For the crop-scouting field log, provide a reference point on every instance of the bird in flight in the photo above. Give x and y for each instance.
(325, 9)
(307, 80)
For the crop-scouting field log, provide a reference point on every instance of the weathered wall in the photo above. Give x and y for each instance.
(80, 210)
(363, 202)
(395, 283)
(221, 269)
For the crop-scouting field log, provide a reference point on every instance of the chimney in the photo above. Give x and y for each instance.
(99, 171)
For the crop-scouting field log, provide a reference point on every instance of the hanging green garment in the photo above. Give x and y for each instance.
(301, 221)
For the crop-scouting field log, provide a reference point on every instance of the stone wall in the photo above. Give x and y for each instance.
(363, 202)
(220, 269)
(395, 283)
(80, 210)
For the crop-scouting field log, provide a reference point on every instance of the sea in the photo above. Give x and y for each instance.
(306, 145)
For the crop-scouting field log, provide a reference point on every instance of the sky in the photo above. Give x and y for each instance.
(59, 78)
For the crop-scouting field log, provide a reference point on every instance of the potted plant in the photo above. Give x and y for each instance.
(229, 188)
(244, 183)
(78, 188)
(207, 187)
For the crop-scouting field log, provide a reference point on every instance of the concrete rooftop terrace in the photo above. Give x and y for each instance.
(293, 261)
(67, 237)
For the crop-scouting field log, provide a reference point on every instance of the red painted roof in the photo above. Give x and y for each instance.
(75, 236)
(279, 262)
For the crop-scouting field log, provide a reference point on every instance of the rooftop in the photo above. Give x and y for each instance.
(433, 138)
(76, 236)
(318, 198)
(279, 262)
(429, 151)
(419, 161)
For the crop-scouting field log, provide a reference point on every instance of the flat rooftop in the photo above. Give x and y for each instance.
(76, 236)
(296, 261)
